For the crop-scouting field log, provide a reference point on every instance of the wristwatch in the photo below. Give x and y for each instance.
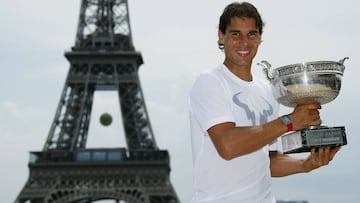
(287, 121)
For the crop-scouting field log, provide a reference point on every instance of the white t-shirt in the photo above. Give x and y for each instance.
(219, 96)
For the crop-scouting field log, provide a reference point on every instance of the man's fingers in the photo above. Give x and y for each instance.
(333, 152)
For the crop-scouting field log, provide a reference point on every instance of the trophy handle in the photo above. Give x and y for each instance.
(266, 69)
(342, 63)
(342, 60)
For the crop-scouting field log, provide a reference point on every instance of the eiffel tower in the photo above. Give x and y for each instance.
(65, 171)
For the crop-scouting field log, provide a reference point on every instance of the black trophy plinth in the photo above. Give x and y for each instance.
(304, 140)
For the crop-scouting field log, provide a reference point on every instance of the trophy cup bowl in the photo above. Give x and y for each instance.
(303, 83)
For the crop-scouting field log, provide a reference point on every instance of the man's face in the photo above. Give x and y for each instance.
(241, 42)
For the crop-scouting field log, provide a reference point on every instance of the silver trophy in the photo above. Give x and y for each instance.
(303, 83)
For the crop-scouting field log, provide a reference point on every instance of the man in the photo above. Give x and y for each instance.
(235, 124)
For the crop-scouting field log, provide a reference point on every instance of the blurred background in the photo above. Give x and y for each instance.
(177, 40)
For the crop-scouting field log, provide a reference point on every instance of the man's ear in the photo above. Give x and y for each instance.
(220, 41)
(220, 37)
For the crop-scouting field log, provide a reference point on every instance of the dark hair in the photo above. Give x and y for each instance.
(240, 10)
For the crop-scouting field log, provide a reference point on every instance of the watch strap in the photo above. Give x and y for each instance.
(286, 119)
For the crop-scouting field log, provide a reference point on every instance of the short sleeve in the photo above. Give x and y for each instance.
(209, 103)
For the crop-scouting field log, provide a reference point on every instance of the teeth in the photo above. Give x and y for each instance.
(243, 52)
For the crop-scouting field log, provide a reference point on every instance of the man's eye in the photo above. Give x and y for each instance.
(235, 34)
(252, 35)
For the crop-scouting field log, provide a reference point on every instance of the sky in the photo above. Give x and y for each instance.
(177, 40)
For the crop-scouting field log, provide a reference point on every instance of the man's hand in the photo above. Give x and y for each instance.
(306, 115)
(319, 157)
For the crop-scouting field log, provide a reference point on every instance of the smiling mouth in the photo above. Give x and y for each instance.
(243, 53)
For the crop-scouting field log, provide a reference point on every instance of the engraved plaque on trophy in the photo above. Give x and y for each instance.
(303, 83)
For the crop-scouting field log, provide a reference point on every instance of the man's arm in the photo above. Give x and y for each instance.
(232, 141)
(283, 165)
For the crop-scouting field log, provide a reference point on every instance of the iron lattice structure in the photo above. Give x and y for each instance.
(102, 59)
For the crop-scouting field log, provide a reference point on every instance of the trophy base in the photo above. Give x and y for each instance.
(304, 140)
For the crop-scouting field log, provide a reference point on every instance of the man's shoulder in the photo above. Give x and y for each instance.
(211, 74)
